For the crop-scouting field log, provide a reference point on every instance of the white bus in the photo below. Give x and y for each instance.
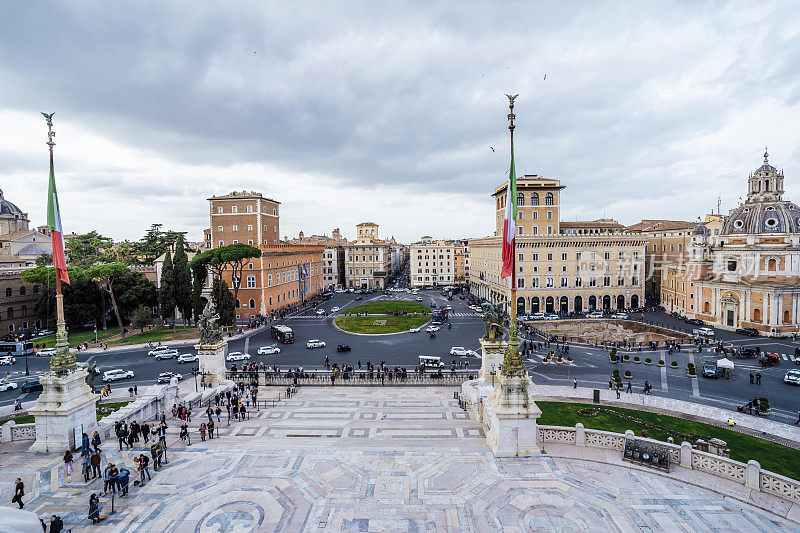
(430, 361)
(16, 349)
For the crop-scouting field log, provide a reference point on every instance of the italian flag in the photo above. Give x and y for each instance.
(54, 222)
(510, 223)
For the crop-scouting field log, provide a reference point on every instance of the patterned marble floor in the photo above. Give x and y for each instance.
(379, 460)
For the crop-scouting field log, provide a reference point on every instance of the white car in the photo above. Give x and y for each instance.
(537, 316)
(320, 311)
(167, 354)
(595, 314)
(335, 309)
(237, 356)
(118, 373)
(46, 352)
(473, 353)
(414, 330)
(187, 358)
(6, 360)
(621, 316)
(459, 350)
(8, 385)
(792, 377)
(156, 351)
(268, 350)
(418, 298)
(315, 343)
(166, 377)
(551, 316)
(706, 332)
(432, 328)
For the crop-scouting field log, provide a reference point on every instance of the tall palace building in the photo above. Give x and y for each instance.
(748, 274)
(561, 268)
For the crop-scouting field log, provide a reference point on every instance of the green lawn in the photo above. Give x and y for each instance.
(393, 324)
(78, 337)
(156, 335)
(105, 409)
(24, 419)
(380, 308)
(771, 456)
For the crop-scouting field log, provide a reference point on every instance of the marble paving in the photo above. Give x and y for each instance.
(377, 460)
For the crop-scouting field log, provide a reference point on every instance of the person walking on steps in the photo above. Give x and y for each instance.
(19, 492)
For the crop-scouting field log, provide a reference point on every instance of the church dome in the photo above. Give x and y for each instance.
(7, 208)
(700, 230)
(763, 217)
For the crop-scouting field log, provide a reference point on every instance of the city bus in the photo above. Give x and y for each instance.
(16, 349)
(282, 334)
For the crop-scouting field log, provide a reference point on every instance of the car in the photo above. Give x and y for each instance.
(268, 350)
(792, 377)
(116, 374)
(710, 371)
(7, 360)
(167, 354)
(413, 330)
(166, 377)
(238, 356)
(431, 329)
(358, 298)
(594, 314)
(752, 332)
(156, 351)
(448, 307)
(473, 353)
(430, 361)
(8, 385)
(551, 316)
(343, 348)
(705, 332)
(459, 350)
(315, 343)
(46, 352)
(31, 385)
(320, 311)
(335, 309)
(187, 358)
(695, 322)
(620, 316)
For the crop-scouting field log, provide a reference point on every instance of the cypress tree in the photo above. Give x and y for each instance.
(224, 302)
(166, 292)
(182, 281)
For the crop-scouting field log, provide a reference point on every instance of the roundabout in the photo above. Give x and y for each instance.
(383, 317)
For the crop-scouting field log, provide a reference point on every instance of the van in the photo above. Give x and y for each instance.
(705, 332)
(430, 361)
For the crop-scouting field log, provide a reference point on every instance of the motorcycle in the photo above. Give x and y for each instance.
(433, 335)
(449, 325)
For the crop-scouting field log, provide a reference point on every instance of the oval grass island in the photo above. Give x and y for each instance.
(378, 318)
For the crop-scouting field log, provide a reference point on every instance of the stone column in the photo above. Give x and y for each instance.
(211, 360)
(491, 358)
(752, 475)
(66, 403)
(512, 418)
(686, 454)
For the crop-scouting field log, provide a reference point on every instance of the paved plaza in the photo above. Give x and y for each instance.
(376, 459)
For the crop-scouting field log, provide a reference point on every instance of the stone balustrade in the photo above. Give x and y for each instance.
(11, 431)
(750, 475)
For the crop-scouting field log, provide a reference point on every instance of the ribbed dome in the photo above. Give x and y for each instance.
(701, 230)
(7, 208)
(763, 217)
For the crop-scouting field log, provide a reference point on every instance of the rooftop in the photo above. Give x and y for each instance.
(239, 195)
(661, 225)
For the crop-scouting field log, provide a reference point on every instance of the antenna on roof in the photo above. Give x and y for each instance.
(719, 204)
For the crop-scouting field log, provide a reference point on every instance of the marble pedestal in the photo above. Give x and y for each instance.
(66, 402)
(211, 360)
(511, 415)
(491, 358)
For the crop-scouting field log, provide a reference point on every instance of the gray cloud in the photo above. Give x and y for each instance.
(639, 105)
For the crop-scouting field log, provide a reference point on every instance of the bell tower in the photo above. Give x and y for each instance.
(765, 184)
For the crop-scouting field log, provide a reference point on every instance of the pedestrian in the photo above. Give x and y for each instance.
(210, 429)
(145, 429)
(96, 441)
(751, 378)
(130, 392)
(203, 432)
(95, 461)
(56, 524)
(19, 492)
(94, 510)
(184, 432)
(124, 480)
(218, 413)
(135, 390)
(618, 389)
(629, 389)
(68, 465)
(798, 418)
(85, 445)
(86, 468)
(575, 383)
(144, 467)
(242, 412)
(758, 378)
(154, 455)
(107, 482)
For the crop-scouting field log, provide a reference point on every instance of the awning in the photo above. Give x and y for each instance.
(725, 363)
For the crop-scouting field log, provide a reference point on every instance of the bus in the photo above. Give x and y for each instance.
(282, 334)
(16, 349)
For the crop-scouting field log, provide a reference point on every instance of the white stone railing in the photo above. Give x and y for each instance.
(750, 474)
(11, 431)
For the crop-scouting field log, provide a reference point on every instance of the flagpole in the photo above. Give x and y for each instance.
(60, 362)
(513, 296)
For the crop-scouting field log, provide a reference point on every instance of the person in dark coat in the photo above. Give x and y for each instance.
(19, 492)
(94, 509)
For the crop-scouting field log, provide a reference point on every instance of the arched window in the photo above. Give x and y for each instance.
(22, 291)
(535, 198)
(520, 199)
(24, 310)
(772, 265)
(8, 291)
(706, 307)
(238, 303)
(252, 303)
(786, 317)
(756, 315)
(548, 199)
(35, 289)
(9, 313)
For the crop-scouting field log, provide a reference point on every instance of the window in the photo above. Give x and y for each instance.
(252, 303)
(549, 215)
(9, 292)
(249, 208)
(219, 228)
(520, 199)
(563, 256)
(636, 255)
(535, 199)
(269, 282)
(606, 281)
(549, 257)
(535, 229)
(221, 243)
(219, 210)
(535, 282)
(519, 215)
(235, 228)
(671, 247)
(35, 289)
(549, 230)
(593, 281)
(564, 282)
(234, 209)
(251, 281)
(548, 282)
(606, 256)
(621, 255)
(535, 215)
(578, 282)
(535, 257)
(521, 283)
(680, 247)
(620, 282)
(731, 266)
(548, 199)
(578, 256)
(249, 227)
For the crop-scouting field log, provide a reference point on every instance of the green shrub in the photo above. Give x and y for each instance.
(660, 362)
(636, 359)
(628, 374)
(763, 404)
(648, 360)
(674, 364)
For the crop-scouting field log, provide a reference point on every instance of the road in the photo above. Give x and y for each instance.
(590, 367)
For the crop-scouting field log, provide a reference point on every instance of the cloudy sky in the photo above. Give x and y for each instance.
(386, 112)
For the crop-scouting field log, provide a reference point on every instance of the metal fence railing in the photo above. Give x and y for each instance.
(357, 378)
